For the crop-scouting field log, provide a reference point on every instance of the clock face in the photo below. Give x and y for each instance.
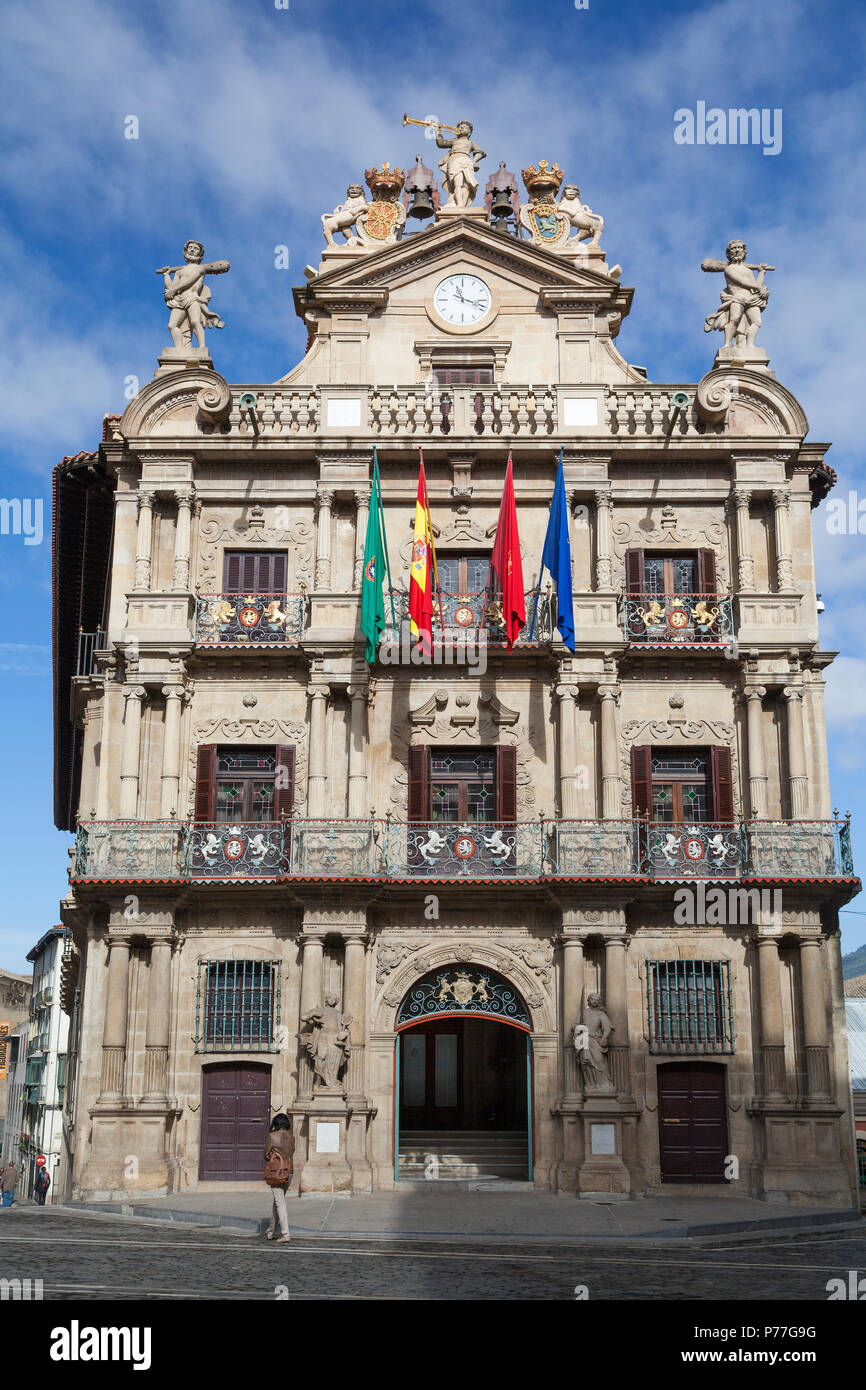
(462, 300)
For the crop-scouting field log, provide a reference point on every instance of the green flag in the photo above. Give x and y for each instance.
(373, 574)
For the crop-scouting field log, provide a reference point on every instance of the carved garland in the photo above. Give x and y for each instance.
(691, 731)
(245, 729)
(217, 533)
(489, 730)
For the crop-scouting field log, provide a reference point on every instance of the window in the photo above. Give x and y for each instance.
(61, 1076)
(243, 784)
(463, 376)
(688, 785)
(464, 575)
(254, 572)
(463, 786)
(689, 1006)
(237, 1005)
(659, 574)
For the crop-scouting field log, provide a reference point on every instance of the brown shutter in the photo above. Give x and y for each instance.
(205, 782)
(419, 784)
(635, 582)
(506, 784)
(284, 793)
(249, 574)
(706, 575)
(231, 573)
(641, 783)
(277, 579)
(723, 784)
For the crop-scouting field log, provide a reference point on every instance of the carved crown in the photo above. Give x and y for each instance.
(385, 183)
(545, 176)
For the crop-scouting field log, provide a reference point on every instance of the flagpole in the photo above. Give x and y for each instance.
(377, 489)
(430, 542)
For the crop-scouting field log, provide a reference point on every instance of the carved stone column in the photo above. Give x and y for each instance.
(814, 1019)
(185, 499)
(611, 781)
(603, 532)
(358, 799)
(130, 752)
(362, 511)
(317, 777)
(312, 993)
(174, 697)
(354, 1003)
(158, 1019)
(572, 996)
(616, 1003)
(144, 541)
(772, 1034)
(798, 780)
(746, 565)
(782, 531)
(116, 1018)
(569, 775)
(324, 503)
(753, 695)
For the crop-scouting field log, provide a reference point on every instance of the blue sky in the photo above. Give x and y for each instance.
(251, 122)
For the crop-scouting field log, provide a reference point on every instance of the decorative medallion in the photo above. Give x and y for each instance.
(248, 616)
(678, 618)
(694, 849)
(464, 992)
(381, 220)
(234, 848)
(465, 847)
(464, 616)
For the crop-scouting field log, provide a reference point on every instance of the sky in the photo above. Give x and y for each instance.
(249, 118)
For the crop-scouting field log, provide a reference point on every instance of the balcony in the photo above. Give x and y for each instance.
(472, 618)
(122, 851)
(678, 620)
(249, 619)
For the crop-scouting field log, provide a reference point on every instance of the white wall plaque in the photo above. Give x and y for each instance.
(579, 410)
(603, 1139)
(328, 1137)
(346, 412)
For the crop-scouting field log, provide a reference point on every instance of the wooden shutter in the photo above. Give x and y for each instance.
(420, 807)
(231, 573)
(249, 573)
(641, 783)
(205, 782)
(284, 792)
(506, 784)
(723, 784)
(706, 572)
(635, 582)
(277, 577)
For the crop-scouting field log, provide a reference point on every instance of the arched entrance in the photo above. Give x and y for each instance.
(463, 1084)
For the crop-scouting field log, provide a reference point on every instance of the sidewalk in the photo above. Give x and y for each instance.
(431, 1211)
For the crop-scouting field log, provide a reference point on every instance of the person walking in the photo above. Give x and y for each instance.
(41, 1186)
(279, 1148)
(7, 1184)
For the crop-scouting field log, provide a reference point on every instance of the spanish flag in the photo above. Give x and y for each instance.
(421, 570)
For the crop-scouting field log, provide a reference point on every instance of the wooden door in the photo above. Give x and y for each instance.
(235, 1114)
(693, 1122)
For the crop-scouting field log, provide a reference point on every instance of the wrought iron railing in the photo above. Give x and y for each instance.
(250, 618)
(689, 1006)
(465, 617)
(391, 849)
(237, 1006)
(88, 644)
(700, 620)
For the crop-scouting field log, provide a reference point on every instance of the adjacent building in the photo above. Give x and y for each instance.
(566, 916)
(14, 1006)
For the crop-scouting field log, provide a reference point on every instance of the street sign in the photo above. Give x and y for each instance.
(40, 1160)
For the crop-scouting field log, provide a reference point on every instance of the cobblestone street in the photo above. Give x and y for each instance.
(104, 1258)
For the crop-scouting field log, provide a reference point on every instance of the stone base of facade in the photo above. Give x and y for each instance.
(128, 1153)
(333, 1145)
(800, 1154)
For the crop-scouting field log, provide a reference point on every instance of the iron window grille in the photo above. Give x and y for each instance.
(689, 1006)
(237, 1006)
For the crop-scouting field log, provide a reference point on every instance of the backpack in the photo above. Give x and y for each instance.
(278, 1170)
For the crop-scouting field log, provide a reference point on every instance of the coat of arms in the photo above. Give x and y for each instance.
(463, 989)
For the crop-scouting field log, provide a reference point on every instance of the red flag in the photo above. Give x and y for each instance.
(506, 564)
(421, 570)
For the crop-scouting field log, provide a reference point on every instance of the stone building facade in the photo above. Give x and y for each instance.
(384, 898)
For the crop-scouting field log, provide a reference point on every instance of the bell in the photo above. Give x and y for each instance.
(422, 204)
(501, 207)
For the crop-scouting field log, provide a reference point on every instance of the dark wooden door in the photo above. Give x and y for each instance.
(235, 1113)
(693, 1121)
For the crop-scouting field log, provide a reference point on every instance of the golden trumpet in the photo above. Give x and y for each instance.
(410, 120)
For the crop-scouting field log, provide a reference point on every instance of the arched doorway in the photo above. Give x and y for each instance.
(463, 1083)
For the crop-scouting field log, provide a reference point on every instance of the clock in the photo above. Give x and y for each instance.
(462, 300)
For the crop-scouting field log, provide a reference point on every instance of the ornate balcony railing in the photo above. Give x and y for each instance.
(249, 618)
(463, 614)
(698, 620)
(390, 849)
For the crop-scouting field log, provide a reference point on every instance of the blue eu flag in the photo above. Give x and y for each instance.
(556, 558)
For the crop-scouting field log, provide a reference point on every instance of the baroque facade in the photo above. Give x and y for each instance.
(564, 916)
